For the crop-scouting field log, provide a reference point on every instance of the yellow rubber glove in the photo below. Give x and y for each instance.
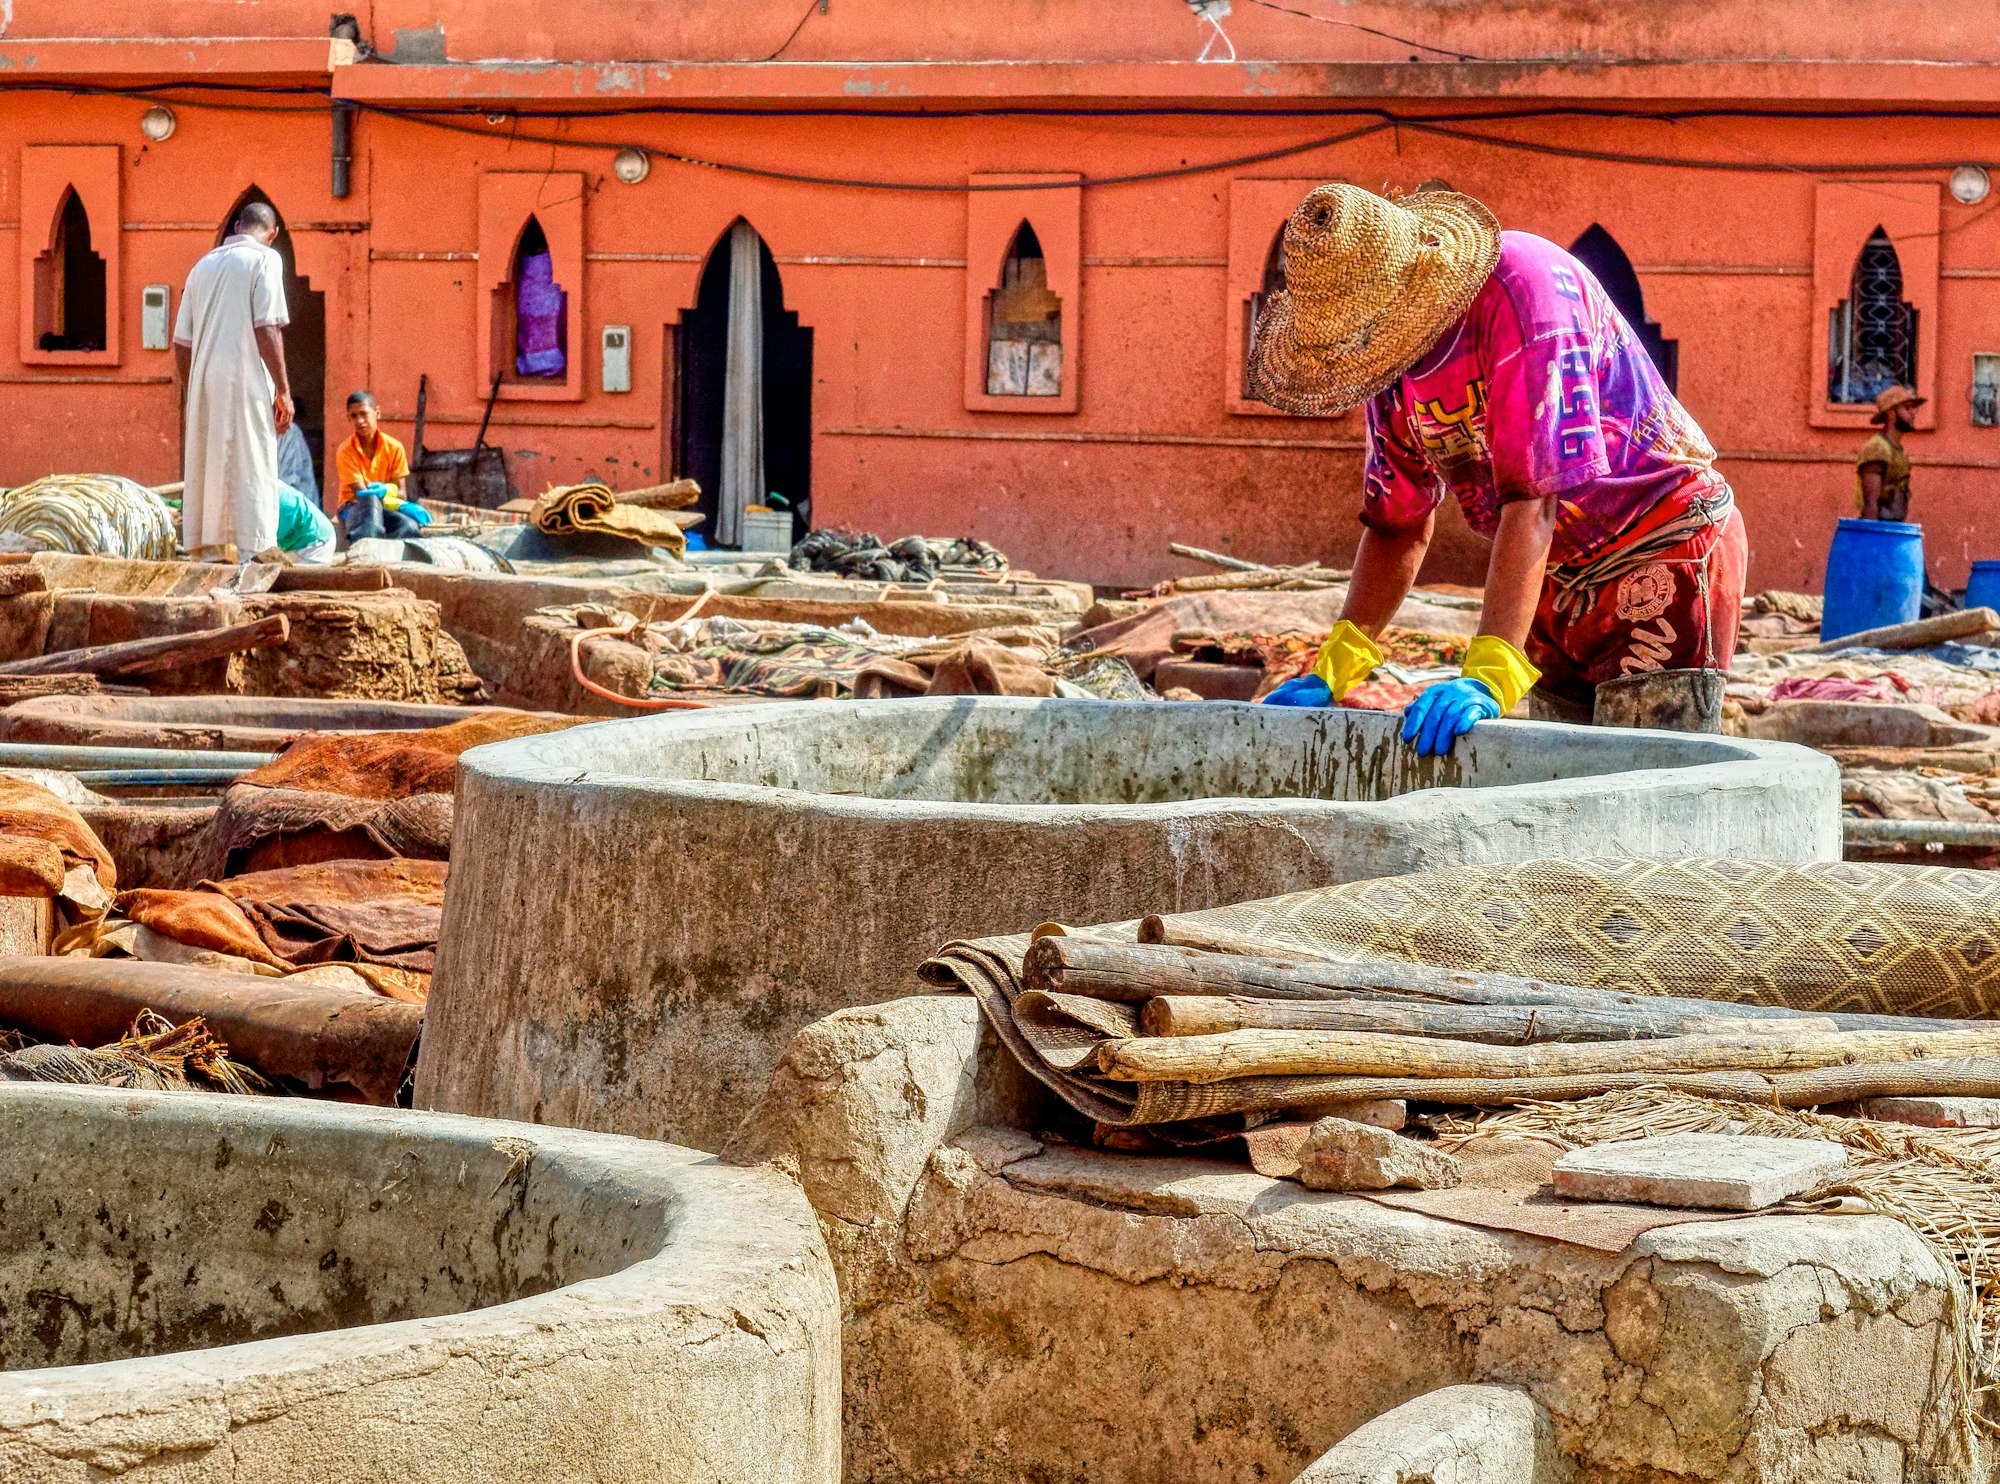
(1501, 667)
(1346, 659)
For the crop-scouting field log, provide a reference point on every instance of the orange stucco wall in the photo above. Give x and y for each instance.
(1153, 451)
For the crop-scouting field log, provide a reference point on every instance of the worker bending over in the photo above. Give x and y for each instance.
(1495, 368)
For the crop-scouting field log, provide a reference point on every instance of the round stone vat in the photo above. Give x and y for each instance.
(261, 1289)
(211, 723)
(642, 913)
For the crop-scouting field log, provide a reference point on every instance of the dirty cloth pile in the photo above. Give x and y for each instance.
(87, 515)
(354, 795)
(378, 918)
(808, 661)
(758, 657)
(1488, 986)
(645, 516)
(1961, 679)
(48, 850)
(866, 557)
(1146, 635)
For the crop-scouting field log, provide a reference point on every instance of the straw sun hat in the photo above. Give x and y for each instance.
(1370, 285)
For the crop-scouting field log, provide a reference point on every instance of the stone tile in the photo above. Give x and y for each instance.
(1725, 1172)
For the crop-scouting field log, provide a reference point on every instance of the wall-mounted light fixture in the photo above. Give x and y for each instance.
(158, 123)
(631, 165)
(1969, 184)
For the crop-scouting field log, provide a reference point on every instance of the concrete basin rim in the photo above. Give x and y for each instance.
(708, 1260)
(1432, 799)
(562, 759)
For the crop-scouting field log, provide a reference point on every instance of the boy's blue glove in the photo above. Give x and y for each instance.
(1302, 690)
(1444, 713)
(378, 490)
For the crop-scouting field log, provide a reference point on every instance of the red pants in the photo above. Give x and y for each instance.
(1675, 611)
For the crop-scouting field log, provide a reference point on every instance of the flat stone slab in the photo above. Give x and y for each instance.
(1718, 1172)
(1934, 1112)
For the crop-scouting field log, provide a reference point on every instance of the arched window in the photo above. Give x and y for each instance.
(1599, 251)
(1872, 333)
(1024, 325)
(1274, 280)
(70, 283)
(536, 311)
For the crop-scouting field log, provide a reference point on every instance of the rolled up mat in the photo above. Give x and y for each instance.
(312, 1037)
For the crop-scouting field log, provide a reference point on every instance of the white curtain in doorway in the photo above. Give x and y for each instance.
(742, 387)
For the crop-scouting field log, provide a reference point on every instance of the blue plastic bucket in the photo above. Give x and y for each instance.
(1983, 591)
(1874, 576)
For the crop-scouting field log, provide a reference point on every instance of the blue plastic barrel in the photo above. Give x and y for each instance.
(1874, 576)
(1983, 591)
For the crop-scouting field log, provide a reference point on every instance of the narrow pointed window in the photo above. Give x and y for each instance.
(70, 284)
(1024, 325)
(1872, 333)
(1599, 251)
(540, 308)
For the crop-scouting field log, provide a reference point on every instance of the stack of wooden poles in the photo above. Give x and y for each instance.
(1396, 1030)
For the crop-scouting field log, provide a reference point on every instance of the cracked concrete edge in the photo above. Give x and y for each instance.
(1575, 1327)
(1472, 1434)
(728, 1333)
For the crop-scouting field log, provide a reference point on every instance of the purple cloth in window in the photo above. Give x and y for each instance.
(539, 306)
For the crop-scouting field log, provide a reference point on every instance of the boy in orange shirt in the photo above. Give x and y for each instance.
(370, 456)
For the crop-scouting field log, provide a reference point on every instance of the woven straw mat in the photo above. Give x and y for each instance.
(1897, 940)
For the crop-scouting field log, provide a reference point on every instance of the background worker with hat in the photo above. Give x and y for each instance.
(1496, 369)
(1882, 468)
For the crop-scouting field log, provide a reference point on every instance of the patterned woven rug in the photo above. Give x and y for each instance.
(1848, 936)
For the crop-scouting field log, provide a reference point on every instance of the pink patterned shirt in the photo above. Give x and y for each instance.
(1540, 391)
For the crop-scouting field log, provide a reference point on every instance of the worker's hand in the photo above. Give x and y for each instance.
(1301, 690)
(1444, 713)
(284, 411)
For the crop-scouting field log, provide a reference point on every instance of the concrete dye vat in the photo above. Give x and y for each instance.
(642, 913)
(265, 1291)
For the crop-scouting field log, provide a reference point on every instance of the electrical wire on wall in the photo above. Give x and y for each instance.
(1462, 125)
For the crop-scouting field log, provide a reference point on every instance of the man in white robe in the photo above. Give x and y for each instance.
(229, 346)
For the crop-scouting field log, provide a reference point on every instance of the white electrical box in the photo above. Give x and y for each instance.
(155, 332)
(618, 358)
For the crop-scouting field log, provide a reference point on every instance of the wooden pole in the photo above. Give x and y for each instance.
(167, 652)
(1137, 972)
(1916, 634)
(1500, 1025)
(1361, 1054)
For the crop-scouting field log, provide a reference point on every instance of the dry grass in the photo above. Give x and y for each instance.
(154, 1055)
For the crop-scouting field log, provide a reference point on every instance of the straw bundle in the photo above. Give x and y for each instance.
(1943, 1184)
(89, 515)
(155, 1055)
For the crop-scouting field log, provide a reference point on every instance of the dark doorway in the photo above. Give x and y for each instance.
(69, 284)
(701, 351)
(1599, 251)
(305, 336)
(1274, 282)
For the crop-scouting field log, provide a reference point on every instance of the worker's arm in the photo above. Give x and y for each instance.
(1516, 569)
(1871, 491)
(183, 369)
(1385, 568)
(271, 346)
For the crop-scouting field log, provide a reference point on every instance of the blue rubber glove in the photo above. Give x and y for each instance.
(1444, 713)
(1304, 690)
